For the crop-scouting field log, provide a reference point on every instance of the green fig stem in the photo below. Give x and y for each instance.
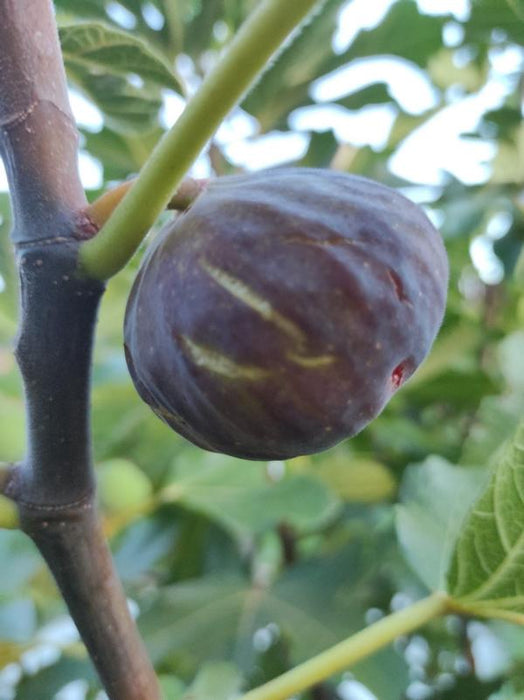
(248, 54)
(351, 650)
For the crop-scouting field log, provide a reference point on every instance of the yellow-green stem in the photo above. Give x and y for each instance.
(249, 52)
(351, 650)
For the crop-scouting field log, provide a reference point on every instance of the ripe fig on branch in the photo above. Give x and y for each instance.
(279, 314)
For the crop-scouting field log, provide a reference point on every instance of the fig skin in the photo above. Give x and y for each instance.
(279, 314)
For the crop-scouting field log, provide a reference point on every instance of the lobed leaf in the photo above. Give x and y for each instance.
(243, 500)
(488, 560)
(100, 48)
(435, 497)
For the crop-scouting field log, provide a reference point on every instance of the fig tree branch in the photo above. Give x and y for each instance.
(53, 486)
(249, 52)
(38, 138)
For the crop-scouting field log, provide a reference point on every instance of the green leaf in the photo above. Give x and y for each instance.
(126, 107)
(486, 569)
(435, 497)
(377, 93)
(507, 692)
(511, 359)
(403, 32)
(8, 294)
(49, 680)
(122, 154)
(315, 604)
(496, 420)
(486, 15)
(244, 500)
(171, 687)
(99, 48)
(386, 674)
(285, 85)
(22, 561)
(105, 62)
(215, 681)
(17, 620)
(140, 547)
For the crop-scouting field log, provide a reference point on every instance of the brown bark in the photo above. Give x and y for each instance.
(54, 485)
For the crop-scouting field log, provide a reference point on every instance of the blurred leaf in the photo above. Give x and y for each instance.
(17, 620)
(12, 424)
(172, 688)
(100, 60)
(377, 93)
(313, 604)
(48, 681)
(486, 15)
(82, 8)
(452, 350)
(489, 554)
(511, 358)
(403, 32)
(445, 72)
(462, 390)
(243, 499)
(142, 545)
(197, 24)
(122, 486)
(496, 420)
(285, 85)
(386, 674)
(126, 107)
(8, 275)
(322, 148)
(121, 154)
(9, 519)
(215, 681)
(101, 49)
(469, 688)
(356, 479)
(507, 692)
(23, 559)
(435, 497)
(508, 165)
(506, 120)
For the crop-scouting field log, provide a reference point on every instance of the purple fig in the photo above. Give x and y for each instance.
(279, 314)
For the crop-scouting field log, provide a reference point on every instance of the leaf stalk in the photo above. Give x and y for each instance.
(246, 57)
(351, 650)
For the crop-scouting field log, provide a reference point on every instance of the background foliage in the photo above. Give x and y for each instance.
(240, 570)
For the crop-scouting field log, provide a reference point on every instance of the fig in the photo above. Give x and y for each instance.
(279, 314)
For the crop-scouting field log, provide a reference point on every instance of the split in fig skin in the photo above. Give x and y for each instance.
(281, 312)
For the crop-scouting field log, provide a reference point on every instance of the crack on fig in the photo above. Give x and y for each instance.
(311, 362)
(398, 287)
(216, 362)
(329, 240)
(241, 291)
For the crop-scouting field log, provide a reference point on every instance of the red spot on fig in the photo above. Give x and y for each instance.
(398, 376)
